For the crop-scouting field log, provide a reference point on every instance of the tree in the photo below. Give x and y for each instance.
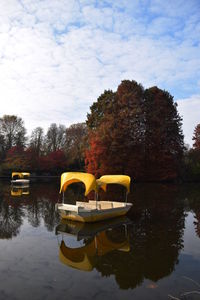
(37, 141)
(163, 135)
(12, 132)
(16, 159)
(75, 144)
(191, 167)
(55, 137)
(54, 162)
(196, 137)
(116, 144)
(138, 133)
(99, 108)
(2, 147)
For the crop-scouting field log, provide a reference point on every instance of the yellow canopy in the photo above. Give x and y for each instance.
(115, 179)
(20, 174)
(72, 177)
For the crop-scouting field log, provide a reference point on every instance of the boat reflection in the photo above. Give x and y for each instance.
(96, 240)
(17, 191)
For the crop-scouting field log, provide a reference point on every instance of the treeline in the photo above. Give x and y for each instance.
(59, 149)
(132, 131)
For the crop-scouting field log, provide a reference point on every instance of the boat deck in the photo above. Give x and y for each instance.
(93, 211)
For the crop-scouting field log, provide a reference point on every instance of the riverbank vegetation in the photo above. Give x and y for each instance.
(132, 131)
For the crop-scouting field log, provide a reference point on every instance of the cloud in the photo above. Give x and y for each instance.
(57, 57)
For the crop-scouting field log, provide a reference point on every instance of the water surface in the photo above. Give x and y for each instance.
(152, 254)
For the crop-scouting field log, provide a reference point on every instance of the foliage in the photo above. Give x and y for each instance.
(37, 141)
(16, 159)
(196, 137)
(54, 162)
(163, 135)
(75, 145)
(104, 103)
(191, 165)
(55, 138)
(138, 133)
(12, 132)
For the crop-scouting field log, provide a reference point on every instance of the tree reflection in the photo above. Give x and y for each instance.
(155, 238)
(194, 205)
(41, 206)
(38, 207)
(11, 218)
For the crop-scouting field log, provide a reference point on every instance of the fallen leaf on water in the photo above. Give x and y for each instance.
(152, 286)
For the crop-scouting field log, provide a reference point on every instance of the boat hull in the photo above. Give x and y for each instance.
(88, 213)
(20, 182)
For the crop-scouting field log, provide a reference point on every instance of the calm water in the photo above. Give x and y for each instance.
(150, 255)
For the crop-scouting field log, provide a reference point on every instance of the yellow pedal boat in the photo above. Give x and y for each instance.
(20, 178)
(94, 210)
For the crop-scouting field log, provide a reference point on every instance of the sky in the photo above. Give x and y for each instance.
(58, 56)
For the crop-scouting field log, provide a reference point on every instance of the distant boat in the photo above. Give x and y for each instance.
(20, 178)
(94, 210)
(97, 240)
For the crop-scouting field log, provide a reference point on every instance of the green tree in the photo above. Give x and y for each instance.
(196, 137)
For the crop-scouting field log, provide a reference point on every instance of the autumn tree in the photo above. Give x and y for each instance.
(15, 159)
(163, 135)
(99, 108)
(54, 162)
(196, 137)
(55, 137)
(75, 144)
(138, 133)
(12, 132)
(116, 144)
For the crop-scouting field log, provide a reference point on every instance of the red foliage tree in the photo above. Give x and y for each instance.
(54, 162)
(138, 133)
(16, 159)
(116, 144)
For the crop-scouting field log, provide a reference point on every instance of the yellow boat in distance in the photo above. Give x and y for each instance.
(94, 210)
(20, 178)
(93, 241)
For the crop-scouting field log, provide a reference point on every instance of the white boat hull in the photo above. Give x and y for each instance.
(92, 211)
(20, 181)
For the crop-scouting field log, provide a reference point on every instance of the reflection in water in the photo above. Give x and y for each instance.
(154, 236)
(11, 218)
(37, 206)
(19, 191)
(194, 205)
(97, 240)
(147, 245)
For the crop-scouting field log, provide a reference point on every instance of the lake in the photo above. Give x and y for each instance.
(151, 254)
